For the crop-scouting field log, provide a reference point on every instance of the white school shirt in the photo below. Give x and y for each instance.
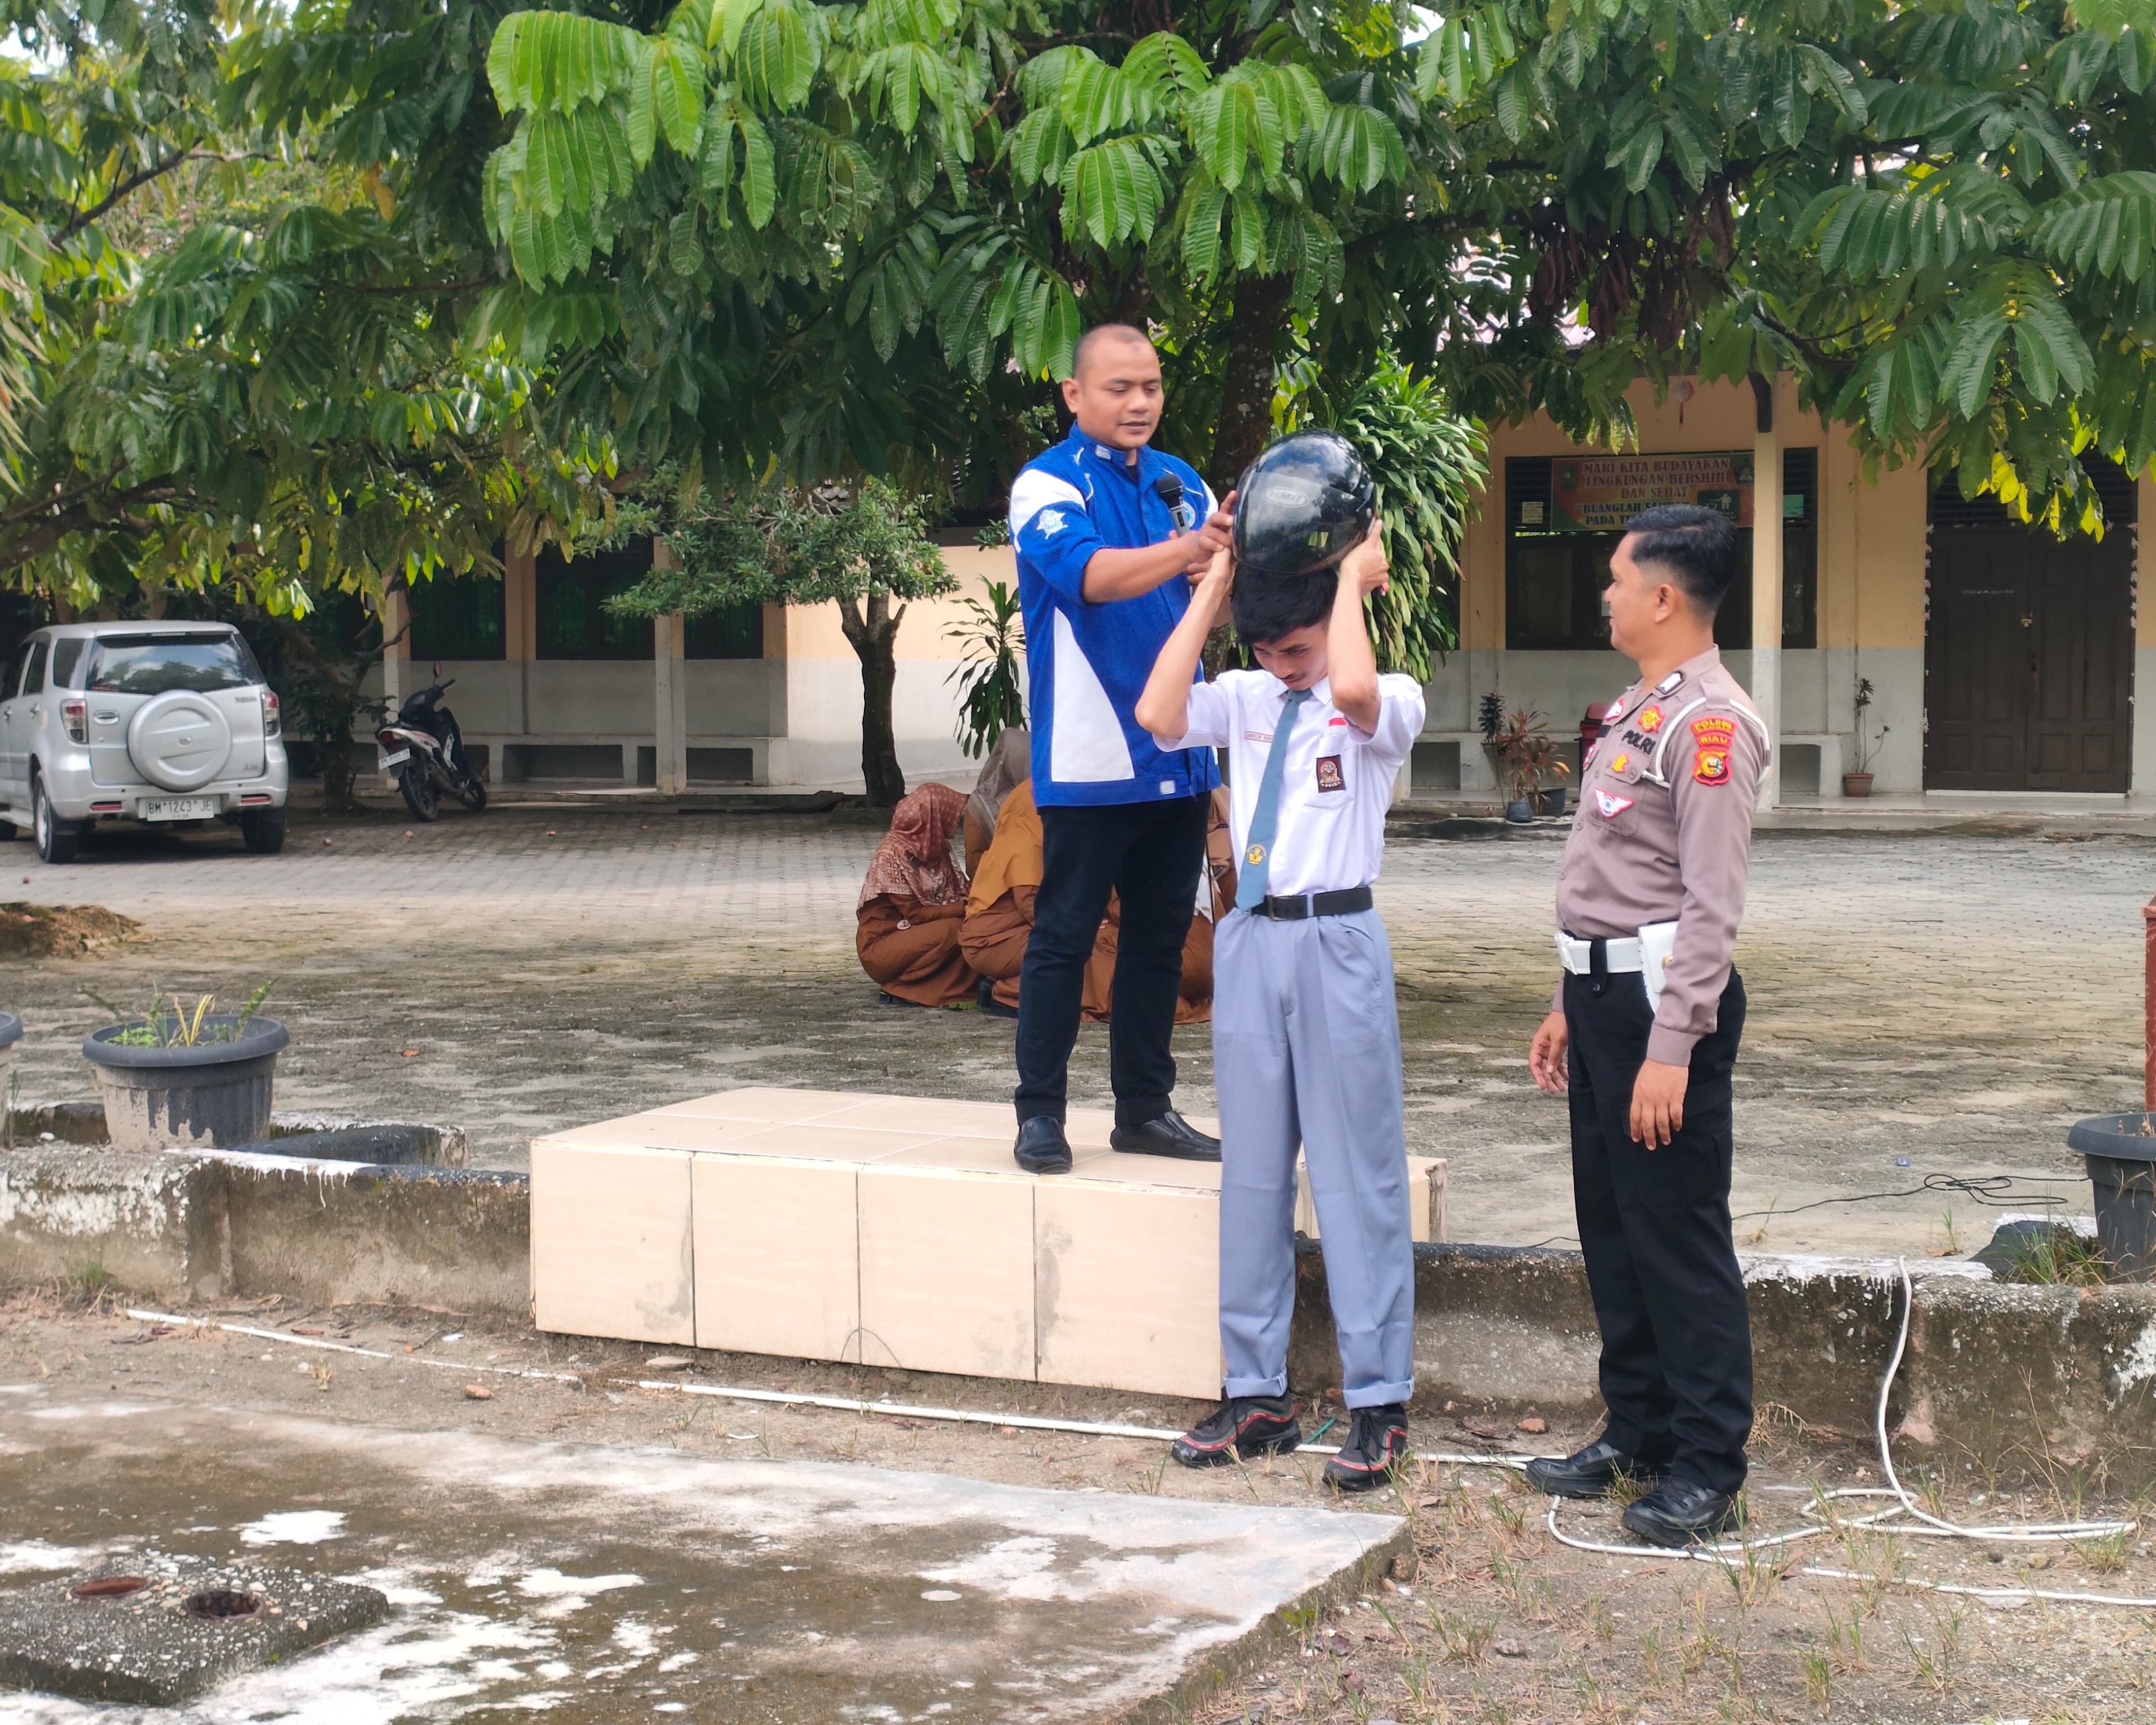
(1336, 784)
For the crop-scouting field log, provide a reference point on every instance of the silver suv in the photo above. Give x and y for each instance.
(168, 722)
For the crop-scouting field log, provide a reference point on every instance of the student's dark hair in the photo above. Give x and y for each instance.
(1267, 606)
(1697, 547)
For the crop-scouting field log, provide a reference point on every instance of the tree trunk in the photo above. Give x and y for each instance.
(338, 773)
(1246, 422)
(874, 634)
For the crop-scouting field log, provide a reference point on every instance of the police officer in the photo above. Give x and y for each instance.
(1108, 531)
(1643, 1033)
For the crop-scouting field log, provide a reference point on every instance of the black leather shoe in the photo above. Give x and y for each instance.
(1678, 1513)
(985, 996)
(1168, 1134)
(1376, 1443)
(1591, 1472)
(1041, 1147)
(1245, 1426)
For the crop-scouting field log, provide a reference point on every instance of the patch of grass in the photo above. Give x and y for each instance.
(2106, 1556)
(2056, 1257)
(93, 1283)
(1464, 1637)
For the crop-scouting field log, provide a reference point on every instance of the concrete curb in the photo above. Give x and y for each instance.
(2023, 1380)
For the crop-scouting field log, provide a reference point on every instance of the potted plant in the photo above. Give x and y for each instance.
(2120, 1152)
(1525, 755)
(1859, 782)
(181, 1077)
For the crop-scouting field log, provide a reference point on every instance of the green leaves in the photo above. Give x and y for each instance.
(1931, 222)
(1115, 190)
(556, 62)
(1463, 52)
(2107, 226)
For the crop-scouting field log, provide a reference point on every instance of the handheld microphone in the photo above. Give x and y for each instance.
(1169, 489)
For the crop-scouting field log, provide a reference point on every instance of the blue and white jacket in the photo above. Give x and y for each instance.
(1086, 664)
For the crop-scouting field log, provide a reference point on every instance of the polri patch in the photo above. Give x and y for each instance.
(1650, 719)
(1712, 738)
(1330, 778)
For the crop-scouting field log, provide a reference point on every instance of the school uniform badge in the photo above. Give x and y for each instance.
(1330, 778)
(1710, 739)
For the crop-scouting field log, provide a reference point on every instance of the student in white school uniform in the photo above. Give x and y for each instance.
(1306, 1032)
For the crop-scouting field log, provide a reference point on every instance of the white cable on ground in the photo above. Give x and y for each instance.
(1884, 1519)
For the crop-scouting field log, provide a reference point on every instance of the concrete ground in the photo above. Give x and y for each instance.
(1926, 1006)
(539, 1544)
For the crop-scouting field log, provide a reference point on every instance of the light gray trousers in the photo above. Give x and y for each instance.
(1306, 1050)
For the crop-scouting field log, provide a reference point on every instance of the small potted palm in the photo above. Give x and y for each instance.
(181, 1076)
(1858, 783)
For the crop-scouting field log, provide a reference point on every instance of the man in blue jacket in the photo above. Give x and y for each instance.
(1108, 531)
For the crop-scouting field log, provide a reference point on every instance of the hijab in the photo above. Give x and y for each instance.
(914, 860)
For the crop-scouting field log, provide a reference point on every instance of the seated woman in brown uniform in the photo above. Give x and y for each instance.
(999, 915)
(913, 903)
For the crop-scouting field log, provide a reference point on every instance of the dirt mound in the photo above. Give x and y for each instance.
(28, 930)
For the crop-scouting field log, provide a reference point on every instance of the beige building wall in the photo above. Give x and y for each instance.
(1870, 617)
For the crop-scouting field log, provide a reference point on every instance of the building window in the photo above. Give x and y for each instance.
(1557, 562)
(572, 619)
(736, 632)
(456, 617)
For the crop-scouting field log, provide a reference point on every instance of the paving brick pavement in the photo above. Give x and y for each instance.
(1953, 999)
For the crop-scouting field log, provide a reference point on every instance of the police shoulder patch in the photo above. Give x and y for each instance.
(1711, 737)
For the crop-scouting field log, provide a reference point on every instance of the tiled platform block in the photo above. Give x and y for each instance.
(611, 1249)
(777, 1269)
(892, 1230)
(1127, 1287)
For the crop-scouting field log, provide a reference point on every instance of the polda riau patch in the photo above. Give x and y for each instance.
(1710, 739)
(1330, 778)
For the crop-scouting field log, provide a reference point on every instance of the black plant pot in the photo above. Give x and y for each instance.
(1553, 800)
(1519, 811)
(2120, 1150)
(212, 1096)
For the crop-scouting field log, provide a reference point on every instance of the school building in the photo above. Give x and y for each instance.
(2002, 661)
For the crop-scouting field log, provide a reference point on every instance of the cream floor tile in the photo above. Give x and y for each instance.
(1086, 1128)
(1126, 1287)
(770, 1105)
(966, 1155)
(927, 1114)
(660, 1132)
(777, 1256)
(822, 1142)
(611, 1248)
(946, 1271)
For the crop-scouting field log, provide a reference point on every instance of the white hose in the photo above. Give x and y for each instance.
(1885, 1519)
(1929, 1526)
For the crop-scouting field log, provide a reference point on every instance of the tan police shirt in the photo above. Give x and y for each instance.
(1664, 834)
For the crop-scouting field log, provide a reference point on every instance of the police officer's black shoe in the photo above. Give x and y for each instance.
(1591, 1472)
(1678, 1513)
(1377, 1444)
(1041, 1147)
(1168, 1134)
(985, 997)
(1245, 1426)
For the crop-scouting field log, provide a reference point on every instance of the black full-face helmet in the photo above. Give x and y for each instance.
(1303, 505)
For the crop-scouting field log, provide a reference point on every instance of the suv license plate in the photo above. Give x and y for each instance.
(396, 760)
(176, 808)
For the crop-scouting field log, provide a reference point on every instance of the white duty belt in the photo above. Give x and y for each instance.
(1649, 953)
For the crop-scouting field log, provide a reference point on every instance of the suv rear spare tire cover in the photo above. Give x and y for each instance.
(179, 740)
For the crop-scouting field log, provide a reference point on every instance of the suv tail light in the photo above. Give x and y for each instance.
(273, 723)
(74, 714)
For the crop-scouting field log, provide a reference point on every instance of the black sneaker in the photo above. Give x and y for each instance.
(1680, 1512)
(1377, 1444)
(1245, 1426)
(1168, 1134)
(1041, 1147)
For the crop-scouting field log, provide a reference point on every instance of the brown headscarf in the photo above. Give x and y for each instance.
(914, 860)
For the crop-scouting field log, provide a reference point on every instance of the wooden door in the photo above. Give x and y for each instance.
(2028, 663)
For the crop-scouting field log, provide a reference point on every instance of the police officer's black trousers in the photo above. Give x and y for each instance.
(1676, 1345)
(1150, 854)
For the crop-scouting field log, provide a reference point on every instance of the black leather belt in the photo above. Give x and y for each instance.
(1344, 903)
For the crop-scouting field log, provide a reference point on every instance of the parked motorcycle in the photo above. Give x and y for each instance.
(424, 748)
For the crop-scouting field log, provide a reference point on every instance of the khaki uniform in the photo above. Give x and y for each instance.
(1663, 836)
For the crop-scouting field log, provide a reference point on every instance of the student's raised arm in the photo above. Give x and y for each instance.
(1353, 668)
(1164, 707)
